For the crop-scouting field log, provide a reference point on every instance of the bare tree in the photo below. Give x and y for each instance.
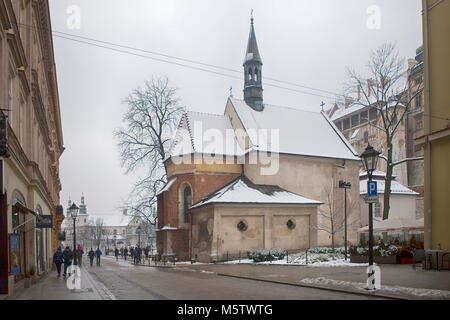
(385, 90)
(93, 231)
(332, 214)
(152, 116)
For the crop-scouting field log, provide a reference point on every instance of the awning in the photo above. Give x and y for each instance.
(20, 207)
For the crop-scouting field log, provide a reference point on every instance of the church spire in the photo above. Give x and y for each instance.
(253, 91)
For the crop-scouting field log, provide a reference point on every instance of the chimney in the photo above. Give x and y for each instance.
(359, 92)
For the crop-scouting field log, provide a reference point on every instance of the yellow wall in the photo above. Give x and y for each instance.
(439, 108)
(202, 166)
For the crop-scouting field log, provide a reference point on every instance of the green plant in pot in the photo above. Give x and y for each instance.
(33, 274)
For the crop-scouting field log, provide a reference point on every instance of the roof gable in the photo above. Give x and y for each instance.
(243, 191)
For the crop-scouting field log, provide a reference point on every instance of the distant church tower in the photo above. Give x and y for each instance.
(83, 207)
(253, 91)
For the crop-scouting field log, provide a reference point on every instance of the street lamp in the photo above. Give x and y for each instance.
(369, 159)
(139, 236)
(345, 185)
(73, 214)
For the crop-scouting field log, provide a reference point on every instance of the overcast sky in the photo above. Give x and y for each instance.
(306, 42)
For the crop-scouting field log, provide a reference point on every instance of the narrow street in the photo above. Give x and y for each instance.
(126, 281)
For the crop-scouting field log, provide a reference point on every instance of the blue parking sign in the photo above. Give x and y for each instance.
(371, 188)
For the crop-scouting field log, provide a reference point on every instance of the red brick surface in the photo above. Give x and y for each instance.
(168, 207)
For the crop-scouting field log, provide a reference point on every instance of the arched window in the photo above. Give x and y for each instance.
(255, 75)
(250, 75)
(187, 202)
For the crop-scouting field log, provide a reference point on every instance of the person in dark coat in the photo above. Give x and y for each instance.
(146, 251)
(91, 255)
(58, 260)
(98, 253)
(116, 253)
(125, 253)
(80, 253)
(67, 259)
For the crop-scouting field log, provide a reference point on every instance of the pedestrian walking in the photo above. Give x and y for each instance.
(91, 255)
(67, 260)
(146, 251)
(121, 252)
(139, 254)
(125, 253)
(80, 253)
(116, 253)
(98, 253)
(58, 260)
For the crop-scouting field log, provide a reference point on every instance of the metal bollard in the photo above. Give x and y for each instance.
(306, 256)
(239, 256)
(287, 256)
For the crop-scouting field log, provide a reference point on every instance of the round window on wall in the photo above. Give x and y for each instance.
(242, 225)
(290, 224)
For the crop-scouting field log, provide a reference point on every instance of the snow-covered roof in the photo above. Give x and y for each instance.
(167, 186)
(242, 190)
(395, 223)
(347, 110)
(344, 111)
(205, 133)
(301, 132)
(396, 188)
(168, 227)
(375, 173)
(114, 220)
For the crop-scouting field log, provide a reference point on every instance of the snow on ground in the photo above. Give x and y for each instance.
(417, 292)
(315, 257)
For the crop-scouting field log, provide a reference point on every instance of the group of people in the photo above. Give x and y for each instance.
(66, 256)
(134, 252)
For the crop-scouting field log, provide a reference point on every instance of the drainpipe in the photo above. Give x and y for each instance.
(427, 103)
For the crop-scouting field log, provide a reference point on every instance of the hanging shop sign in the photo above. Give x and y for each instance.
(44, 221)
(14, 254)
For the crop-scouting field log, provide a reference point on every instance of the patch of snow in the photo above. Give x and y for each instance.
(418, 292)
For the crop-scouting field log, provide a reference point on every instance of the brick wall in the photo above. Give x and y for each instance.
(168, 207)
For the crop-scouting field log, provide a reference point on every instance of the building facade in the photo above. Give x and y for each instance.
(285, 162)
(436, 139)
(31, 117)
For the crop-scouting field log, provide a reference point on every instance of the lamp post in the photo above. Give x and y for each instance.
(73, 214)
(345, 185)
(369, 159)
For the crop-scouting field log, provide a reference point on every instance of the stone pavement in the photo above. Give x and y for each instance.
(397, 281)
(49, 287)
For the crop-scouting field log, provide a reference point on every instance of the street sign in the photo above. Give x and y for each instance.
(372, 188)
(371, 199)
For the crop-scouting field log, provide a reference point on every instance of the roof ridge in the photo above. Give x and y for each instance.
(206, 113)
(190, 132)
(279, 106)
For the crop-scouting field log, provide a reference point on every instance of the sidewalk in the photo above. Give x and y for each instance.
(49, 287)
(397, 281)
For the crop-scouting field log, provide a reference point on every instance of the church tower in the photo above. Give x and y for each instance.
(253, 91)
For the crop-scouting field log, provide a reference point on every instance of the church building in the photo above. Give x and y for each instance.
(260, 176)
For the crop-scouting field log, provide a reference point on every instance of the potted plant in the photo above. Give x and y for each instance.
(27, 279)
(33, 274)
